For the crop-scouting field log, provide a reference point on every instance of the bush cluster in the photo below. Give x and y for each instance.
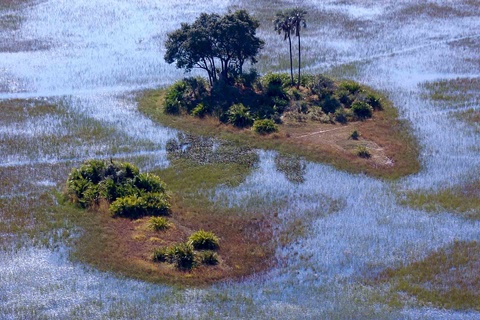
(184, 256)
(251, 99)
(130, 193)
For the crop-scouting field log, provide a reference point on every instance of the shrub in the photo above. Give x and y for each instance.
(182, 255)
(344, 97)
(264, 126)
(199, 111)
(351, 86)
(354, 135)
(322, 85)
(330, 104)
(248, 79)
(209, 258)
(149, 183)
(158, 223)
(204, 240)
(160, 254)
(363, 152)
(271, 80)
(239, 116)
(174, 97)
(374, 100)
(341, 116)
(362, 110)
(154, 204)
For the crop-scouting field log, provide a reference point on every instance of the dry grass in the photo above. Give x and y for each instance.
(447, 278)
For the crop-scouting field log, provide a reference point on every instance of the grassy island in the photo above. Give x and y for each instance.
(342, 123)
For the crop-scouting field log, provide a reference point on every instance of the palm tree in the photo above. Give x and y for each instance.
(297, 19)
(283, 25)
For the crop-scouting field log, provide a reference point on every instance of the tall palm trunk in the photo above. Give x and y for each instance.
(291, 59)
(299, 61)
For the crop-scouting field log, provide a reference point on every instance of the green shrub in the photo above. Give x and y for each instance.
(354, 135)
(344, 97)
(374, 100)
(322, 85)
(351, 86)
(264, 126)
(174, 97)
(275, 80)
(160, 255)
(204, 240)
(182, 255)
(239, 116)
(149, 183)
(91, 196)
(158, 223)
(248, 79)
(330, 104)
(363, 152)
(141, 194)
(307, 80)
(149, 204)
(199, 111)
(362, 110)
(209, 258)
(341, 116)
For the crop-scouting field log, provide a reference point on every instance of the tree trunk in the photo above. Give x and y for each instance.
(299, 61)
(291, 59)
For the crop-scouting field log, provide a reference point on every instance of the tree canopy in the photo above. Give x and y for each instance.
(213, 41)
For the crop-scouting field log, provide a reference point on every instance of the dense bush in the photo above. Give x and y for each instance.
(351, 86)
(341, 115)
(240, 116)
(330, 104)
(249, 99)
(362, 110)
(184, 95)
(174, 98)
(264, 126)
(209, 258)
(374, 100)
(149, 204)
(182, 255)
(204, 240)
(160, 254)
(130, 193)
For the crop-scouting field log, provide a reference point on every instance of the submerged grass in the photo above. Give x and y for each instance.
(447, 278)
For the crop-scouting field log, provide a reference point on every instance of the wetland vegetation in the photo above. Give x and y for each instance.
(292, 237)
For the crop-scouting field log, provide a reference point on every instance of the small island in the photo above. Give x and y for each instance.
(338, 122)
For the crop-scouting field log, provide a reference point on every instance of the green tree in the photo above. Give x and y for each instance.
(297, 17)
(228, 41)
(192, 46)
(283, 24)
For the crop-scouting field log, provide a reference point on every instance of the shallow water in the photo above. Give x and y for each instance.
(98, 53)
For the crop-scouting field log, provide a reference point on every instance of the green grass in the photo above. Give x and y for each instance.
(452, 92)
(462, 200)
(447, 278)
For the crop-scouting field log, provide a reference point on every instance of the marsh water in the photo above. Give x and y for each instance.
(90, 58)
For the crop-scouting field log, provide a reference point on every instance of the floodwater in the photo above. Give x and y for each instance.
(91, 57)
